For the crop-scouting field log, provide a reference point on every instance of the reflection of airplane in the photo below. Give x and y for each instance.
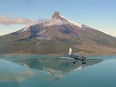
(76, 57)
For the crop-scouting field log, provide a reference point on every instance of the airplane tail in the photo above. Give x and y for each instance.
(70, 51)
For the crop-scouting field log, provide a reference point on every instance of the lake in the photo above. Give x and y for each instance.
(54, 71)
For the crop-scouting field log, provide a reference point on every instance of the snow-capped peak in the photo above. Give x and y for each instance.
(55, 22)
(58, 19)
(75, 23)
(56, 15)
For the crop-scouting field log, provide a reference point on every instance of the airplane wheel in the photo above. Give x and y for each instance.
(74, 62)
(83, 62)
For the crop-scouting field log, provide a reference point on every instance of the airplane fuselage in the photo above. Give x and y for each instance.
(78, 57)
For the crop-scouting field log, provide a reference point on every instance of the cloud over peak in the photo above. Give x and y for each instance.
(11, 21)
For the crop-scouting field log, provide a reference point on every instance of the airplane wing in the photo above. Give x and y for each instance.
(66, 57)
(73, 58)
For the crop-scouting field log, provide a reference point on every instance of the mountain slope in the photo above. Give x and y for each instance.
(56, 36)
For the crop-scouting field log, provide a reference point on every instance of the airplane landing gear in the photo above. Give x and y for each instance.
(83, 62)
(74, 62)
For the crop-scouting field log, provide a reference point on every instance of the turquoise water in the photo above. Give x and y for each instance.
(54, 71)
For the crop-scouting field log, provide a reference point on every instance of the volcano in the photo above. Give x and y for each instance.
(56, 36)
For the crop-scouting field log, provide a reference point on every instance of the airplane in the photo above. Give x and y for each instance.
(76, 57)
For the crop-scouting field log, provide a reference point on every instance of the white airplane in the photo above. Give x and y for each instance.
(75, 57)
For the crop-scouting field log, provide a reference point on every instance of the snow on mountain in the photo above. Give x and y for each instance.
(58, 19)
(25, 29)
(54, 22)
(75, 23)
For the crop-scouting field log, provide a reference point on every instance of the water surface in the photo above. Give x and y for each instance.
(53, 71)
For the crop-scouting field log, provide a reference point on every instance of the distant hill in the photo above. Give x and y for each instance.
(56, 36)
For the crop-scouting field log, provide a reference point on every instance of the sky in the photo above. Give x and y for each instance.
(98, 14)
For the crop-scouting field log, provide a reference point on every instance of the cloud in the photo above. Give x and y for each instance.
(19, 76)
(11, 21)
(43, 21)
(25, 75)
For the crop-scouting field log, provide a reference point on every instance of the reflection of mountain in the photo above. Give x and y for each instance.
(57, 67)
